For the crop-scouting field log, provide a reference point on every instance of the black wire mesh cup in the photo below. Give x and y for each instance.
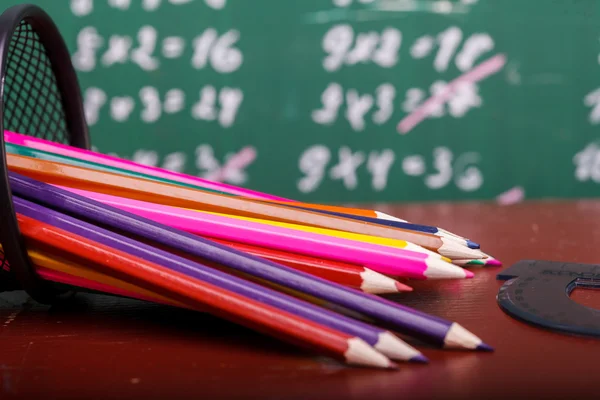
(40, 97)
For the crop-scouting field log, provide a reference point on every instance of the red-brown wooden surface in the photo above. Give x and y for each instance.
(102, 347)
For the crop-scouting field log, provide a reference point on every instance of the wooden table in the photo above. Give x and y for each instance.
(102, 347)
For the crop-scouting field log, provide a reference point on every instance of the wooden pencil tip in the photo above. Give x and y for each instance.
(360, 353)
(376, 283)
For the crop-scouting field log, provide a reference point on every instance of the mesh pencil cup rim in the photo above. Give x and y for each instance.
(39, 102)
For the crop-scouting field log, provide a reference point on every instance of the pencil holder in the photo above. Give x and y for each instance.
(39, 96)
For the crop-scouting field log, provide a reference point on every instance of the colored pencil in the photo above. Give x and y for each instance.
(59, 158)
(401, 245)
(398, 244)
(490, 261)
(404, 225)
(85, 285)
(394, 316)
(49, 156)
(108, 240)
(46, 145)
(383, 259)
(156, 192)
(76, 274)
(346, 274)
(125, 165)
(226, 304)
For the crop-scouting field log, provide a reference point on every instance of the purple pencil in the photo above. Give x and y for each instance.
(382, 340)
(395, 316)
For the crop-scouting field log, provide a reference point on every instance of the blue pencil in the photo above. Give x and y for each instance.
(401, 225)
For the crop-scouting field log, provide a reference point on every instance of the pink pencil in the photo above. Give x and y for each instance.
(45, 145)
(383, 259)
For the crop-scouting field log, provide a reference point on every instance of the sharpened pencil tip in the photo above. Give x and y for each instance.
(420, 359)
(403, 288)
(458, 337)
(472, 245)
(438, 269)
(484, 347)
(493, 262)
(360, 353)
(376, 283)
(395, 348)
(455, 251)
(469, 274)
(393, 365)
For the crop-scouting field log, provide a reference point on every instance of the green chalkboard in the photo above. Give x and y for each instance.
(347, 100)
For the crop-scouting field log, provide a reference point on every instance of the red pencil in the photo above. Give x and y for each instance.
(195, 293)
(347, 274)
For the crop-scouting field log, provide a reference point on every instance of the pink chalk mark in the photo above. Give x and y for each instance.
(511, 196)
(480, 72)
(238, 161)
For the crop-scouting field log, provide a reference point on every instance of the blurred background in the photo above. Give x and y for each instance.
(347, 100)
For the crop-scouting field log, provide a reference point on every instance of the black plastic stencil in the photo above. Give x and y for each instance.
(538, 292)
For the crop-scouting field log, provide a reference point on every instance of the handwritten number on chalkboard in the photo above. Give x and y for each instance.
(592, 100)
(387, 54)
(467, 176)
(386, 94)
(88, 42)
(315, 164)
(118, 50)
(93, 99)
(343, 47)
(332, 99)
(379, 165)
(443, 164)
(312, 164)
(587, 163)
(121, 108)
(142, 55)
(449, 41)
(82, 7)
(474, 47)
(229, 100)
(219, 51)
(222, 105)
(357, 105)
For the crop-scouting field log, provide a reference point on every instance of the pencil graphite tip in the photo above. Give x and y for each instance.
(472, 245)
(458, 337)
(360, 353)
(420, 359)
(469, 263)
(485, 347)
(469, 274)
(493, 262)
(402, 287)
(376, 283)
(454, 250)
(396, 349)
(439, 269)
